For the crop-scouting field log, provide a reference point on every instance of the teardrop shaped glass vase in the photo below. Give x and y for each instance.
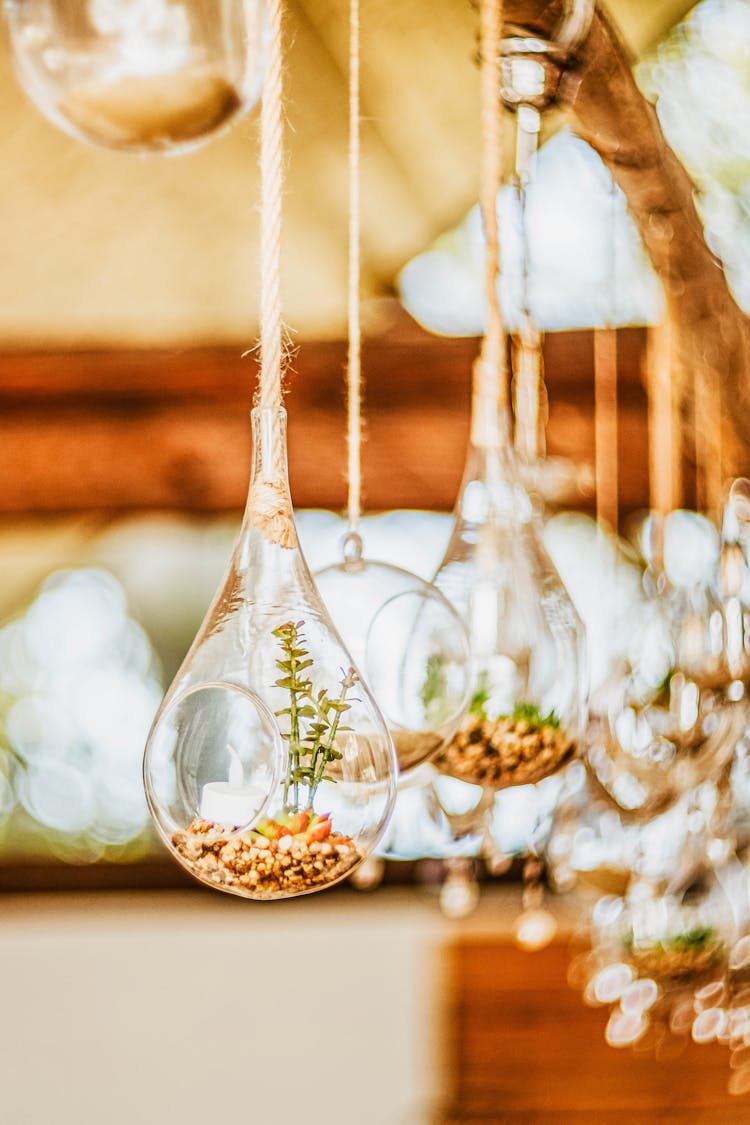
(269, 770)
(410, 643)
(528, 709)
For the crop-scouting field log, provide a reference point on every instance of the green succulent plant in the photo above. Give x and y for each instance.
(531, 714)
(314, 718)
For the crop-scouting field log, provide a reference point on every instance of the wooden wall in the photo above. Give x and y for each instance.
(525, 1050)
(148, 429)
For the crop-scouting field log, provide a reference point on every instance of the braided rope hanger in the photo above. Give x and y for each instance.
(490, 397)
(270, 507)
(353, 544)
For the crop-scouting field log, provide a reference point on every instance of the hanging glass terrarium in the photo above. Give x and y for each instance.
(139, 75)
(679, 712)
(526, 714)
(409, 642)
(528, 708)
(267, 727)
(269, 770)
(660, 960)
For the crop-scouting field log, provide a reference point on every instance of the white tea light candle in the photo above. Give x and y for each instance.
(231, 802)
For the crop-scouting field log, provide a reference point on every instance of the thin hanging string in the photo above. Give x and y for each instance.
(269, 506)
(529, 377)
(605, 390)
(354, 357)
(271, 185)
(490, 393)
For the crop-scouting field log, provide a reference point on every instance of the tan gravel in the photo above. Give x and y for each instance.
(259, 868)
(498, 753)
(664, 962)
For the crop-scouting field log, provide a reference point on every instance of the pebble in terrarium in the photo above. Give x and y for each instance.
(677, 937)
(661, 954)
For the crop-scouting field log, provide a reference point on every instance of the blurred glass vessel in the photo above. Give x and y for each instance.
(269, 769)
(528, 709)
(140, 76)
(679, 712)
(661, 959)
(409, 641)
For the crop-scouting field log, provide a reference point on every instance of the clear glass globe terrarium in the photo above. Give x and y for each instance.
(675, 939)
(659, 960)
(139, 76)
(409, 641)
(269, 770)
(527, 712)
(679, 712)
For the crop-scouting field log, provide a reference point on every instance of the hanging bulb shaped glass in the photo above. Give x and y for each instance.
(528, 708)
(140, 76)
(269, 769)
(677, 716)
(409, 641)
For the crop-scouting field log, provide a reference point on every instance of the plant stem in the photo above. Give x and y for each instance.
(294, 725)
(318, 771)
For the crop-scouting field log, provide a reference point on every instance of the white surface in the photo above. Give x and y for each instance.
(177, 1009)
(185, 1008)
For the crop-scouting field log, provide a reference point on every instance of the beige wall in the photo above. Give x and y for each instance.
(100, 246)
(179, 1009)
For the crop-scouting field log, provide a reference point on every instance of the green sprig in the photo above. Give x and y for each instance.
(314, 717)
(529, 713)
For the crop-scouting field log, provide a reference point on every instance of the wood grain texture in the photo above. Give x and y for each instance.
(711, 334)
(127, 430)
(525, 1048)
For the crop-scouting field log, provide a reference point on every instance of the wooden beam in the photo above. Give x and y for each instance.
(710, 330)
(128, 430)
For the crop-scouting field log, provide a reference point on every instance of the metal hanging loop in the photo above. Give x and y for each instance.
(531, 67)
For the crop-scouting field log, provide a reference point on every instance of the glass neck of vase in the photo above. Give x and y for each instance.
(269, 504)
(491, 439)
(269, 447)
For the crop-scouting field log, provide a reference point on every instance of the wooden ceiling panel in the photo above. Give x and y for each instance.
(103, 249)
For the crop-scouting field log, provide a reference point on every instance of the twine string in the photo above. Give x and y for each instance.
(354, 355)
(530, 393)
(606, 464)
(271, 183)
(270, 508)
(490, 384)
